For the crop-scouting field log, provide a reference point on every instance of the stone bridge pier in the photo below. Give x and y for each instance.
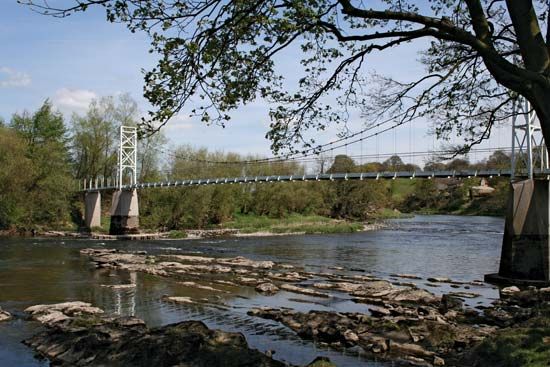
(525, 257)
(92, 209)
(124, 212)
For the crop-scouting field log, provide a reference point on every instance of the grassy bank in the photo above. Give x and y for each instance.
(291, 224)
(525, 345)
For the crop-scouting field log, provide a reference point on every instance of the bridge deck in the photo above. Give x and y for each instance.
(318, 177)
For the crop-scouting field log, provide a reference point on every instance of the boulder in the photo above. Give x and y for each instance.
(128, 343)
(180, 300)
(412, 295)
(406, 276)
(55, 313)
(4, 315)
(411, 350)
(378, 311)
(267, 288)
(507, 291)
(439, 280)
(449, 302)
(302, 290)
(378, 288)
(321, 362)
(465, 294)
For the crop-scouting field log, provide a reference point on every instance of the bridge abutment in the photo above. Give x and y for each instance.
(525, 256)
(124, 212)
(92, 209)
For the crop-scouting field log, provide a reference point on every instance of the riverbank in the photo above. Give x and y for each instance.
(239, 226)
(195, 234)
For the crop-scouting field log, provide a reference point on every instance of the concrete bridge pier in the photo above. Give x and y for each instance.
(525, 257)
(92, 209)
(124, 212)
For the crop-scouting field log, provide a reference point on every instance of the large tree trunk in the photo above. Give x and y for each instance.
(541, 103)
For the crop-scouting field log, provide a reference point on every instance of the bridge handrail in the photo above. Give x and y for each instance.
(545, 174)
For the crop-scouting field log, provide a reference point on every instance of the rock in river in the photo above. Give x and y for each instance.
(4, 315)
(509, 290)
(122, 343)
(55, 313)
(267, 288)
(84, 336)
(302, 290)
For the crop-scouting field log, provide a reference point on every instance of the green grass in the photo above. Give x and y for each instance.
(291, 224)
(516, 347)
(177, 234)
(525, 346)
(401, 188)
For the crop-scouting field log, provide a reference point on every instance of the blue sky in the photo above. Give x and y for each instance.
(82, 57)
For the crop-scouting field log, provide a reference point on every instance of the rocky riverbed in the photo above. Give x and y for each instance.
(79, 334)
(401, 322)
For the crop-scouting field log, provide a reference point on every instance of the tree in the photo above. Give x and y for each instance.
(342, 164)
(393, 163)
(13, 177)
(95, 139)
(434, 164)
(46, 171)
(45, 126)
(482, 55)
(498, 160)
(458, 164)
(321, 163)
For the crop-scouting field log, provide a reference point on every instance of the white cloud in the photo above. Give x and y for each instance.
(73, 100)
(13, 78)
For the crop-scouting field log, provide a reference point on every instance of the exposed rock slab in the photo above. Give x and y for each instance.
(122, 342)
(267, 288)
(58, 312)
(4, 315)
(406, 276)
(385, 338)
(302, 290)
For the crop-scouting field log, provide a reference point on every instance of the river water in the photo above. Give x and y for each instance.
(35, 271)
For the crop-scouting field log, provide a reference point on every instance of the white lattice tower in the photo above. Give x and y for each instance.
(529, 153)
(127, 155)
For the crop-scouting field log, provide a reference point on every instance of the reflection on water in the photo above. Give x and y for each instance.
(45, 271)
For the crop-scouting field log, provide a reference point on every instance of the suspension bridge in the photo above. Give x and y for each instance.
(526, 243)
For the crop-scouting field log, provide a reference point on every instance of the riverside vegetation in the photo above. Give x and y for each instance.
(43, 157)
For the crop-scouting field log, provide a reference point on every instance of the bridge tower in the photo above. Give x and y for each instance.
(125, 206)
(525, 256)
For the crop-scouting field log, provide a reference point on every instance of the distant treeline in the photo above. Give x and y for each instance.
(44, 157)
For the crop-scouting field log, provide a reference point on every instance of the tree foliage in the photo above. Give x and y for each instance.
(480, 55)
(95, 139)
(36, 177)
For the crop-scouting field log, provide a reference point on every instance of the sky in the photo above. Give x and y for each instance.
(74, 60)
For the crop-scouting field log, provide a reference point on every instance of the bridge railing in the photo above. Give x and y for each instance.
(101, 184)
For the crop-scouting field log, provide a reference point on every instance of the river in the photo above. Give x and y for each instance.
(35, 271)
